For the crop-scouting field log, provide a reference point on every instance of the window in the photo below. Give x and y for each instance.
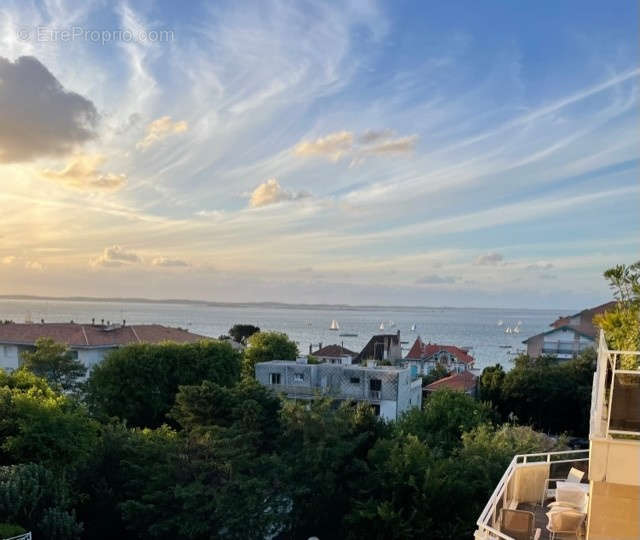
(298, 377)
(376, 409)
(274, 378)
(354, 380)
(375, 384)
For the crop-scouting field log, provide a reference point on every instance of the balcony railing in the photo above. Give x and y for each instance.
(564, 347)
(615, 397)
(26, 536)
(523, 483)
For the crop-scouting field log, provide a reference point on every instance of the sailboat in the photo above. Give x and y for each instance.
(516, 330)
(381, 326)
(519, 323)
(507, 330)
(413, 327)
(334, 325)
(500, 322)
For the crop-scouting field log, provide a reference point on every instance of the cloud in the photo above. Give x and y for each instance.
(39, 117)
(271, 192)
(336, 145)
(548, 276)
(489, 259)
(539, 266)
(332, 146)
(34, 265)
(160, 129)
(434, 279)
(371, 135)
(115, 256)
(9, 259)
(305, 269)
(82, 172)
(169, 263)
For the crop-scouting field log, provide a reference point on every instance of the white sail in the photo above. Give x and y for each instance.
(382, 326)
(413, 327)
(507, 330)
(500, 322)
(334, 325)
(519, 323)
(516, 330)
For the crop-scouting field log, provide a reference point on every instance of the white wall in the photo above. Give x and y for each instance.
(9, 357)
(388, 409)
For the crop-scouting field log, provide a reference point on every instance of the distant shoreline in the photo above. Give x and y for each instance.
(275, 305)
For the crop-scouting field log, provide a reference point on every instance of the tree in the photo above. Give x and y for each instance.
(266, 346)
(38, 424)
(622, 325)
(56, 363)
(445, 415)
(138, 383)
(437, 373)
(39, 501)
(490, 385)
(242, 332)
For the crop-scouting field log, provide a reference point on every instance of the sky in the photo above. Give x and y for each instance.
(392, 153)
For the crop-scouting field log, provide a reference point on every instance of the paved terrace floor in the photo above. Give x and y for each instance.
(541, 520)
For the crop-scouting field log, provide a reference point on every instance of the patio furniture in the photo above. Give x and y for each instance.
(565, 521)
(518, 524)
(574, 477)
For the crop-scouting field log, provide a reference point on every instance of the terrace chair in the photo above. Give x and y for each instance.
(518, 524)
(565, 521)
(575, 476)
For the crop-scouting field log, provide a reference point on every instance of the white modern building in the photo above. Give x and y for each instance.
(90, 343)
(390, 390)
(592, 494)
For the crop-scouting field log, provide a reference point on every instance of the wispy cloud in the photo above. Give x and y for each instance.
(167, 262)
(489, 259)
(434, 279)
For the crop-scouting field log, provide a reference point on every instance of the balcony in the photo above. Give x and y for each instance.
(522, 488)
(615, 397)
(564, 348)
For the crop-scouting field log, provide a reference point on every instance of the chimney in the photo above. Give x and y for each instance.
(320, 345)
(102, 322)
(93, 321)
(124, 323)
(71, 321)
(41, 321)
(310, 348)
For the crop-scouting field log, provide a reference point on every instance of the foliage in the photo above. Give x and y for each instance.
(548, 394)
(41, 425)
(8, 530)
(33, 496)
(138, 383)
(490, 383)
(55, 363)
(622, 325)
(445, 416)
(242, 332)
(324, 450)
(266, 346)
(437, 373)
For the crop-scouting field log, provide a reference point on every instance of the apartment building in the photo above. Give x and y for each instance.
(390, 390)
(605, 488)
(90, 343)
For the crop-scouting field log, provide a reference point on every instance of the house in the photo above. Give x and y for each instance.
(464, 381)
(333, 354)
(425, 356)
(569, 335)
(90, 343)
(390, 390)
(381, 348)
(601, 500)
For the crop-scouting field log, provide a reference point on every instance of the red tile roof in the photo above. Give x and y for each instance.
(334, 350)
(88, 335)
(462, 382)
(585, 325)
(420, 350)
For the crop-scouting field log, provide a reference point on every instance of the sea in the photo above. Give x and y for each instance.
(475, 328)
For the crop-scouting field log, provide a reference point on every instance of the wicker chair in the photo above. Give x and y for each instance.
(518, 524)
